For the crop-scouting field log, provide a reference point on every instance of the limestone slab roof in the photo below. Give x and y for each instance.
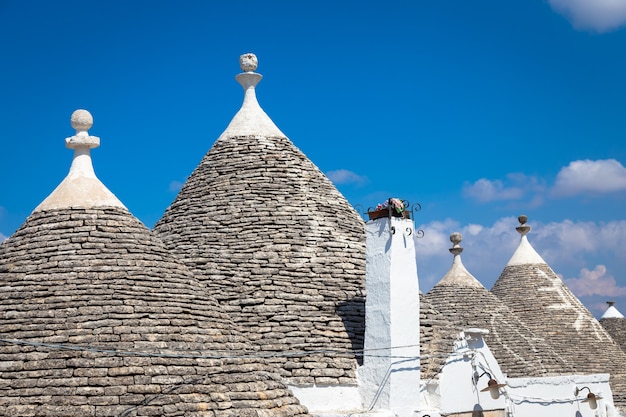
(98, 318)
(98, 281)
(437, 337)
(461, 298)
(615, 324)
(277, 244)
(548, 308)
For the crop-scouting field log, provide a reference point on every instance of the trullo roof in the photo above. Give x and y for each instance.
(539, 297)
(615, 323)
(463, 300)
(99, 319)
(276, 243)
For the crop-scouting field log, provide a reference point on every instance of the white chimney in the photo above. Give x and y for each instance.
(390, 376)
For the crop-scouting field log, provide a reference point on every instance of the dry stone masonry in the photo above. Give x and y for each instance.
(98, 318)
(280, 248)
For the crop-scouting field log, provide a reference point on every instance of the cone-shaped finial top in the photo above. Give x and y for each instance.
(248, 62)
(80, 188)
(456, 239)
(250, 120)
(522, 229)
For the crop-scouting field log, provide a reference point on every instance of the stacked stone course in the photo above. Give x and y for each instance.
(146, 340)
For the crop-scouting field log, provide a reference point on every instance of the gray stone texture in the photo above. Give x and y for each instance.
(98, 280)
(616, 327)
(437, 336)
(519, 352)
(281, 250)
(543, 302)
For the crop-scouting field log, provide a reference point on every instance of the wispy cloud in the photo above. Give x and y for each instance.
(175, 186)
(2, 237)
(344, 176)
(587, 176)
(580, 177)
(516, 186)
(569, 247)
(595, 282)
(487, 249)
(597, 15)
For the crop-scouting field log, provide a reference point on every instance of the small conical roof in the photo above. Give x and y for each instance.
(99, 319)
(277, 244)
(615, 324)
(464, 301)
(458, 276)
(612, 312)
(539, 297)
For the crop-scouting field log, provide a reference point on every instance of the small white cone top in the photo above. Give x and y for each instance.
(250, 120)
(525, 253)
(458, 275)
(612, 312)
(80, 188)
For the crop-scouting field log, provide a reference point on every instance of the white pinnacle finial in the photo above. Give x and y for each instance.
(82, 121)
(81, 187)
(456, 238)
(522, 229)
(250, 120)
(248, 62)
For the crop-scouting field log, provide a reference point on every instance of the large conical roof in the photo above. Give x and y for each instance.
(544, 303)
(463, 300)
(99, 319)
(276, 243)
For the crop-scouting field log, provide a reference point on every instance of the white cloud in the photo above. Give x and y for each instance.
(175, 186)
(598, 15)
(595, 282)
(586, 176)
(516, 187)
(2, 237)
(567, 246)
(485, 190)
(486, 249)
(343, 176)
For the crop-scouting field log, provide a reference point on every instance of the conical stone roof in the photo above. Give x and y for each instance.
(99, 319)
(615, 324)
(463, 300)
(437, 337)
(276, 243)
(543, 302)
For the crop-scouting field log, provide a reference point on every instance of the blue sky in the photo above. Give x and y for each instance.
(480, 111)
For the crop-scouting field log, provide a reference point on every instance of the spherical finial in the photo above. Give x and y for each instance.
(456, 238)
(81, 120)
(248, 62)
(523, 229)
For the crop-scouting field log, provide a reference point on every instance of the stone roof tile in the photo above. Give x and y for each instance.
(100, 320)
(549, 309)
(466, 303)
(277, 244)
